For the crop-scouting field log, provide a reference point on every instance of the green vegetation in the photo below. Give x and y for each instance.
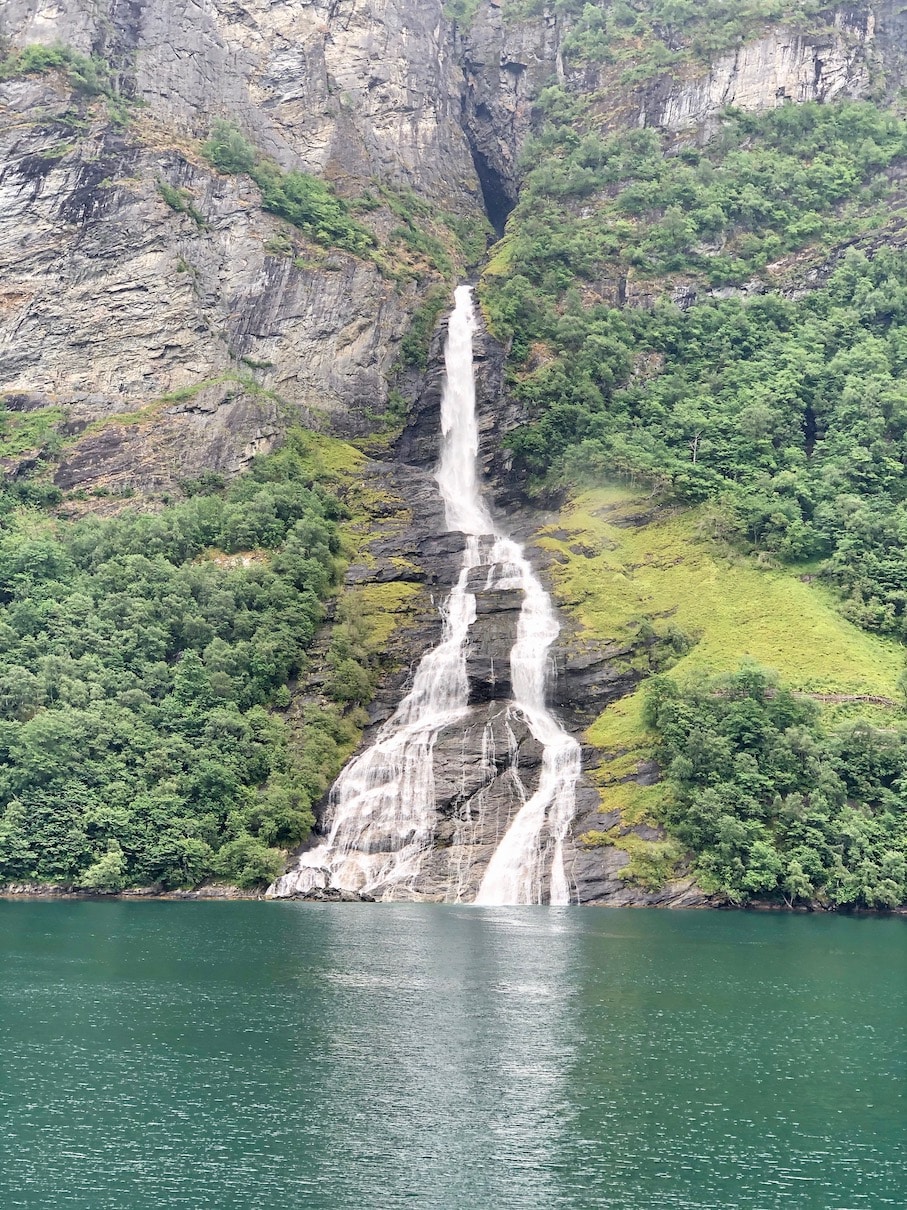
(643, 38)
(415, 344)
(303, 200)
(786, 414)
(473, 234)
(654, 579)
(771, 804)
(181, 201)
(630, 572)
(89, 75)
(414, 237)
(462, 11)
(141, 654)
(652, 862)
(28, 432)
(427, 247)
(764, 185)
(763, 419)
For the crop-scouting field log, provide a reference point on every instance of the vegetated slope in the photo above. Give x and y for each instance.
(694, 610)
(190, 271)
(146, 663)
(719, 314)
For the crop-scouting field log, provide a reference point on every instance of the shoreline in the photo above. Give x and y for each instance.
(225, 893)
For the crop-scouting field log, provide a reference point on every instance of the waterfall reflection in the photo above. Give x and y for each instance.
(446, 1083)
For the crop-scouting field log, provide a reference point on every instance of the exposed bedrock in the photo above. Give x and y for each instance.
(782, 66)
(210, 323)
(201, 338)
(505, 64)
(351, 88)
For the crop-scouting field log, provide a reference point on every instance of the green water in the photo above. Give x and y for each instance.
(358, 1056)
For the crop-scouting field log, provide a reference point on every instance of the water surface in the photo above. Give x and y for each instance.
(421, 1056)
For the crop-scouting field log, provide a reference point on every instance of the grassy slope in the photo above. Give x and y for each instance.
(612, 574)
(373, 512)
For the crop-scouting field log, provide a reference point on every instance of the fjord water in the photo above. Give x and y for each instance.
(381, 816)
(376, 1057)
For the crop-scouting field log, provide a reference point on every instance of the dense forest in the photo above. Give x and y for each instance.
(774, 805)
(146, 658)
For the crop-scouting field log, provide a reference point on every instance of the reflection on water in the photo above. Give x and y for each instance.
(454, 1086)
(391, 1056)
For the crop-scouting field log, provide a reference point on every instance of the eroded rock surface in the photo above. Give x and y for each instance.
(773, 70)
(358, 88)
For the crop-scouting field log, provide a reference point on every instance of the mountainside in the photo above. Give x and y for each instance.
(229, 230)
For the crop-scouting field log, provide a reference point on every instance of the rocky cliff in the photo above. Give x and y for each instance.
(170, 326)
(204, 322)
(204, 326)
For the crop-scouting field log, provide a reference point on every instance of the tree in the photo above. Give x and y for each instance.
(108, 874)
(795, 884)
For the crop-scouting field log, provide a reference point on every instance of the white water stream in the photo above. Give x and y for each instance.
(381, 815)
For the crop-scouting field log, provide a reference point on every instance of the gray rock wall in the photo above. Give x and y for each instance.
(781, 67)
(351, 88)
(110, 301)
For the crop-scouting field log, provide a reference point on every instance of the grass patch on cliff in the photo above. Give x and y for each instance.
(462, 11)
(382, 607)
(87, 74)
(25, 432)
(652, 862)
(414, 348)
(617, 571)
(306, 201)
(181, 202)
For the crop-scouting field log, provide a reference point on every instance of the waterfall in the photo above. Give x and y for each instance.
(381, 816)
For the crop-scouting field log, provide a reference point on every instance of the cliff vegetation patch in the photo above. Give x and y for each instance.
(644, 38)
(305, 201)
(634, 573)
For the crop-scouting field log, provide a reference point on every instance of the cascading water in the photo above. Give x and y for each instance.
(381, 816)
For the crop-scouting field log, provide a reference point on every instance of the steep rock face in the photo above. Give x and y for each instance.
(199, 338)
(497, 413)
(505, 64)
(208, 328)
(356, 88)
(781, 67)
(179, 344)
